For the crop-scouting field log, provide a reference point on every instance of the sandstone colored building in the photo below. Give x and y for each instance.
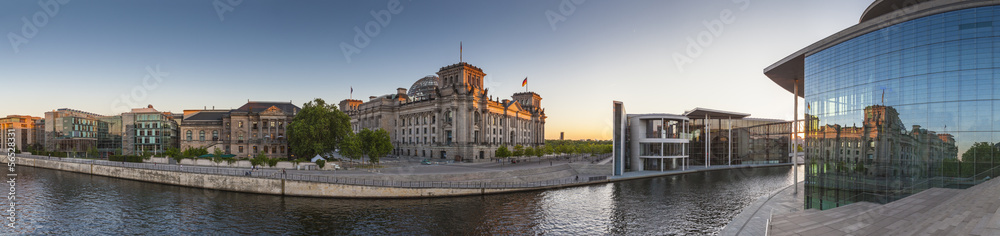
(23, 128)
(451, 116)
(255, 127)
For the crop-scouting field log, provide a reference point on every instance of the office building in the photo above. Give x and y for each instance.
(146, 130)
(699, 137)
(23, 128)
(903, 101)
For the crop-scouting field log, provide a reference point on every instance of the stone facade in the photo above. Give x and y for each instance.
(451, 116)
(251, 129)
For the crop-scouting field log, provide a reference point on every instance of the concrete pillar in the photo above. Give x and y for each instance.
(795, 124)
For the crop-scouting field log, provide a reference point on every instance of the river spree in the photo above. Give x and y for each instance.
(63, 203)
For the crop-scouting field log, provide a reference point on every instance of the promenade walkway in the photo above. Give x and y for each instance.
(936, 211)
(752, 220)
(527, 174)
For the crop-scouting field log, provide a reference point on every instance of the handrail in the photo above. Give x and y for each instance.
(767, 226)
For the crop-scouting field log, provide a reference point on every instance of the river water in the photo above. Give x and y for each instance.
(65, 203)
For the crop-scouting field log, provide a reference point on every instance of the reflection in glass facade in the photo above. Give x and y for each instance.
(904, 108)
(754, 141)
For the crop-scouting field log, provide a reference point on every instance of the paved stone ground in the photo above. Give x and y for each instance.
(753, 219)
(936, 211)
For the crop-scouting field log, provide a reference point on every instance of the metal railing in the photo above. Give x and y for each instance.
(277, 174)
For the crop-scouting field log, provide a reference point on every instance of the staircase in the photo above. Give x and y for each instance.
(935, 211)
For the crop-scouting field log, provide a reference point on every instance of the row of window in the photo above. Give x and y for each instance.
(201, 135)
(254, 150)
(265, 124)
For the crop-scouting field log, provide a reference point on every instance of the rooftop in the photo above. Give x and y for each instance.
(699, 113)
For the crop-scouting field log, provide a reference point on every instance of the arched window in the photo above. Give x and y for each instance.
(201, 135)
(188, 135)
(215, 135)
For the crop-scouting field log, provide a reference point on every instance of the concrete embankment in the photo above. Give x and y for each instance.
(261, 185)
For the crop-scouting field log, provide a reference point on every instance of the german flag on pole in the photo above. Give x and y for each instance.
(525, 83)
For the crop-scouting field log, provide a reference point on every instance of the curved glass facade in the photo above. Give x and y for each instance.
(904, 108)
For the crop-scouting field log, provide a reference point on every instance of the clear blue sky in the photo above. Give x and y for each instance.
(90, 53)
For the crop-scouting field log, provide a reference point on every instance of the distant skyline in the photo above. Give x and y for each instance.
(110, 55)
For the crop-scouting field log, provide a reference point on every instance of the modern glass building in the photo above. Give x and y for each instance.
(698, 138)
(146, 130)
(906, 100)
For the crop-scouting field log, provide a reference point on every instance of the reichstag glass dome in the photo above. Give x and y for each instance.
(423, 88)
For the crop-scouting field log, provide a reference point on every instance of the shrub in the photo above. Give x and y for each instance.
(320, 163)
(177, 158)
(126, 158)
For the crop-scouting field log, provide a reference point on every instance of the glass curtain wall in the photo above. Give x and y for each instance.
(753, 141)
(904, 108)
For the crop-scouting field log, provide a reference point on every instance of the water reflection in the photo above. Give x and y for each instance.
(62, 203)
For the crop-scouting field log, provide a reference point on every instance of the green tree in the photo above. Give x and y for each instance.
(172, 152)
(375, 144)
(518, 151)
(92, 152)
(259, 160)
(318, 129)
(271, 162)
(539, 152)
(218, 153)
(529, 151)
(194, 152)
(350, 147)
(217, 156)
(502, 152)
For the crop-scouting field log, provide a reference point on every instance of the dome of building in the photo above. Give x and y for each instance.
(423, 88)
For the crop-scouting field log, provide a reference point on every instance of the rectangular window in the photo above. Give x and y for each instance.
(449, 137)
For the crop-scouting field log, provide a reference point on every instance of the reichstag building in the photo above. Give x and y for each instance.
(451, 116)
